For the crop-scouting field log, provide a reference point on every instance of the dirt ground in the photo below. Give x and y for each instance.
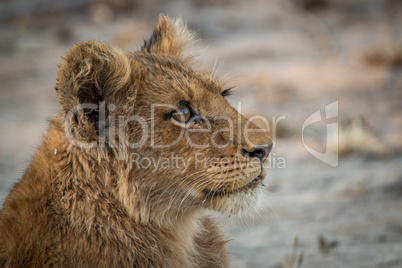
(287, 59)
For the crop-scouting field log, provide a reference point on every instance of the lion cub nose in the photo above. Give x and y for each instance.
(260, 152)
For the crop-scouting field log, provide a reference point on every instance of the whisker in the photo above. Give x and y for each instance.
(190, 191)
(219, 69)
(213, 68)
(182, 180)
(177, 190)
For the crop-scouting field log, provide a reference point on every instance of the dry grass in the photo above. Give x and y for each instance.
(351, 137)
(326, 246)
(295, 260)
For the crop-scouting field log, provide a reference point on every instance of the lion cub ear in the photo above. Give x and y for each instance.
(91, 72)
(170, 37)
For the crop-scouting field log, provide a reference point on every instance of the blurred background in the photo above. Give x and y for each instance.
(287, 59)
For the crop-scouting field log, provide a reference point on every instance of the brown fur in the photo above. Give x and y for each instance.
(85, 206)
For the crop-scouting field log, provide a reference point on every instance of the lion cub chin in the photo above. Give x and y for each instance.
(144, 146)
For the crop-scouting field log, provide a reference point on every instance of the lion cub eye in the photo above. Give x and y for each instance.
(183, 116)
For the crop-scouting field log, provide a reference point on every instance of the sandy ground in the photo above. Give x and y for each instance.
(286, 62)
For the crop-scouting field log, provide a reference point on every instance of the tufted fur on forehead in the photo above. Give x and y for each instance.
(170, 37)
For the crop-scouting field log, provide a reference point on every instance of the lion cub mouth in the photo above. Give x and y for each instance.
(250, 185)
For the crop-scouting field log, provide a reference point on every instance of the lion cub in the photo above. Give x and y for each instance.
(144, 146)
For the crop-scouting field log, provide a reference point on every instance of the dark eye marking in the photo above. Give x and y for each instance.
(227, 92)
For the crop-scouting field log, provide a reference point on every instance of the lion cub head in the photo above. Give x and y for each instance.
(172, 142)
